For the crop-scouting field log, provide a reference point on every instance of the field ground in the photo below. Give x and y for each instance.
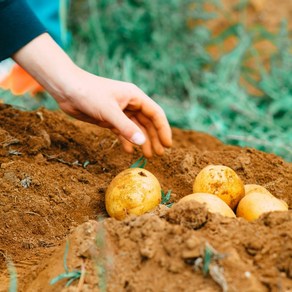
(54, 173)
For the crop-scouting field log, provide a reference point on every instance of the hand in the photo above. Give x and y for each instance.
(119, 106)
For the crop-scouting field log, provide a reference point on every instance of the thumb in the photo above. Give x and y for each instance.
(126, 127)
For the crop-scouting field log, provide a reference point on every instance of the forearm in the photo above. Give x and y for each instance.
(49, 65)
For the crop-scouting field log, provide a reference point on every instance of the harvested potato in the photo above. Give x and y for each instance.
(254, 188)
(213, 203)
(133, 191)
(253, 205)
(221, 181)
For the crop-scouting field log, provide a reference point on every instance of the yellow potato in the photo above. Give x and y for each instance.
(212, 203)
(133, 191)
(253, 205)
(253, 188)
(221, 181)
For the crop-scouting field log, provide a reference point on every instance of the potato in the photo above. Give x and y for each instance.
(253, 205)
(213, 203)
(221, 181)
(133, 191)
(253, 188)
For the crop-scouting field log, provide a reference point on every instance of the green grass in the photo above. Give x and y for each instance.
(13, 283)
(70, 276)
(148, 43)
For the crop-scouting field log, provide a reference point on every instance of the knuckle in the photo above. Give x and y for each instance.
(159, 114)
(133, 87)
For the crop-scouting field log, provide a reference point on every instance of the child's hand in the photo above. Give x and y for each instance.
(121, 107)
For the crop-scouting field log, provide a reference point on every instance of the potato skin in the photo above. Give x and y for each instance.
(254, 188)
(133, 191)
(253, 205)
(221, 181)
(213, 203)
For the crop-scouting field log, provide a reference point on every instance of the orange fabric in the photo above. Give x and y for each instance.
(19, 82)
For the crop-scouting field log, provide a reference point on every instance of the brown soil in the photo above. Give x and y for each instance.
(49, 193)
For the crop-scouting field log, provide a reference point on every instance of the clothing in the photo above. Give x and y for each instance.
(53, 15)
(18, 26)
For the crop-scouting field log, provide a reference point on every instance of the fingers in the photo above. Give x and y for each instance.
(147, 124)
(147, 146)
(149, 120)
(125, 126)
(152, 141)
(128, 146)
(154, 113)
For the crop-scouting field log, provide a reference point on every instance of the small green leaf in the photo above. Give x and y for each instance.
(65, 257)
(72, 276)
(141, 162)
(13, 277)
(165, 198)
(207, 259)
(86, 163)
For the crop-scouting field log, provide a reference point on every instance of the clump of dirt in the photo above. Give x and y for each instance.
(54, 172)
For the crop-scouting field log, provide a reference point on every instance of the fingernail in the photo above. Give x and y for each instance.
(138, 138)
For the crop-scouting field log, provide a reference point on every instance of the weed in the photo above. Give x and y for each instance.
(13, 283)
(141, 163)
(86, 163)
(209, 252)
(100, 261)
(165, 197)
(13, 277)
(209, 264)
(71, 276)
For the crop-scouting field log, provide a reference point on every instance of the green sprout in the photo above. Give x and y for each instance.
(101, 259)
(165, 197)
(13, 277)
(207, 259)
(212, 256)
(71, 276)
(141, 162)
(13, 283)
(86, 163)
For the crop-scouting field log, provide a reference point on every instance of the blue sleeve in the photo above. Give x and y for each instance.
(18, 26)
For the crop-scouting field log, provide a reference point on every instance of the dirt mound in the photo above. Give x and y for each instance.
(54, 173)
(149, 253)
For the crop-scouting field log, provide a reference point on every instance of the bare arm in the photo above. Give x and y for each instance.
(119, 106)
